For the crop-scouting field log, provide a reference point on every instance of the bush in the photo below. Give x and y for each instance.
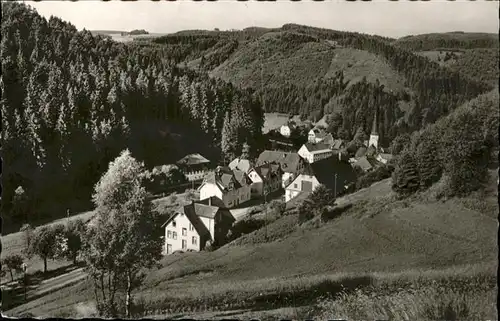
(380, 173)
(278, 207)
(245, 226)
(335, 212)
(314, 203)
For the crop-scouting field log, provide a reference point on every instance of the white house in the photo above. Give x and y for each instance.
(266, 177)
(191, 228)
(233, 187)
(313, 152)
(286, 130)
(316, 135)
(290, 163)
(334, 174)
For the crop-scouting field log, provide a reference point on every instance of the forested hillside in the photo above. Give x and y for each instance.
(72, 101)
(313, 72)
(471, 54)
(458, 150)
(452, 40)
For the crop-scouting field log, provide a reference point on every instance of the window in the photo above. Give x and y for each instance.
(184, 244)
(194, 240)
(191, 227)
(169, 248)
(184, 231)
(169, 234)
(174, 224)
(294, 185)
(174, 235)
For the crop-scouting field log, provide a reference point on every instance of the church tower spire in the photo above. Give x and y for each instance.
(374, 134)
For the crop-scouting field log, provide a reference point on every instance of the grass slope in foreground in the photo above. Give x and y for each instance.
(377, 239)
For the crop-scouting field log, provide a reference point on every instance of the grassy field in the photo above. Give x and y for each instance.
(276, 120)
(13, 243)
(378, 238)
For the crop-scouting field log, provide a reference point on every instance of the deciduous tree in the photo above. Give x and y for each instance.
(125, 237)
(13, 262)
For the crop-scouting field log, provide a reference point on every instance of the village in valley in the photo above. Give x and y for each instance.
(228, 192)
(160, 167)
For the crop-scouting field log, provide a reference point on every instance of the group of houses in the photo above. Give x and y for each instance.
(320, 161)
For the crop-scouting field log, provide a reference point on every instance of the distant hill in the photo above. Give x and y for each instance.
(106, 32)
(457, 40)
(473, 55)
(318, 72)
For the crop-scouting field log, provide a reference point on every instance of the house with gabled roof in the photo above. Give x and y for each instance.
(231, 186)
(265, 178)
(313, 152)
(335, 174)
(365, 163)
(290, 163)
(194, 166)
(195, 226)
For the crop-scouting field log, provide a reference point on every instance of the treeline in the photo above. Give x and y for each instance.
(456, 40)
(71, 102)
(457, 149)
(304, 101)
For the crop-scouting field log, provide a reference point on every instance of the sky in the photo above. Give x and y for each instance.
(381, 17)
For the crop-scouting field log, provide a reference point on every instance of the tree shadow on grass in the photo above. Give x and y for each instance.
(311, 295)
(14, 296)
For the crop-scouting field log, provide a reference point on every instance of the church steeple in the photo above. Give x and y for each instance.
(374, 134)
(375, 125)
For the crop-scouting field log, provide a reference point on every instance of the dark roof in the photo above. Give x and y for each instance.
(268, 170)
(324, 170)
(191, 214)
(360, 152)
(203, 210)
(289, 162)
(192, 159)
(241, 177)
(223, 176)
(328, 139)
(314, 147)
(195, 220)
(213, 201)
(364, 163)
